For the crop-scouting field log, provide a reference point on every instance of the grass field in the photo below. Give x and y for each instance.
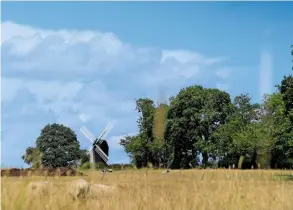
(184, 190)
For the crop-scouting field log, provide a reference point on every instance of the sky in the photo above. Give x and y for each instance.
(85, 63)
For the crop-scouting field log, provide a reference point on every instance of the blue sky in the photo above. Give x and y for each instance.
(86, 63)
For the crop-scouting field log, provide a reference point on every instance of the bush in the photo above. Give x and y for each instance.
(85, 165)
(117, 167)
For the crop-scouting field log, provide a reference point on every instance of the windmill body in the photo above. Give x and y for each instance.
(99, 151)
(96, 157)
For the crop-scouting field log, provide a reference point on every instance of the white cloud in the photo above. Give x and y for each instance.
(76, 77)
(185, 56)
(70, 53)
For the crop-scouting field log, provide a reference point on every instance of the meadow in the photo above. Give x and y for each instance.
(151, 189)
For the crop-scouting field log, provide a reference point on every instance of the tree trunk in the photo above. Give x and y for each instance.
(205, 159)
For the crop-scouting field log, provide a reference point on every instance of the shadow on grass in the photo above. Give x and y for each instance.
(283, 177)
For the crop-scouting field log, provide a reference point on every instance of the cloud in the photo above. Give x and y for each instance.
(85, 78)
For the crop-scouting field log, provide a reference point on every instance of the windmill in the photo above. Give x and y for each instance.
(99, 150)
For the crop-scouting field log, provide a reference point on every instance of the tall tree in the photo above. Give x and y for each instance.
(146, 109)
(138, 147)
(148, 146)
(182, 121)
(194, 114)
(214, 113)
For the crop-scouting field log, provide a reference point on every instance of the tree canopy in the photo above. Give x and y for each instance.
(204, 126)
(57, 146)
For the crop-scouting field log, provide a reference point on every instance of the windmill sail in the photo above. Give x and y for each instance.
(87, 133)
(104, 133)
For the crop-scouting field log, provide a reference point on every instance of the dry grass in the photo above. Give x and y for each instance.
(182, 190)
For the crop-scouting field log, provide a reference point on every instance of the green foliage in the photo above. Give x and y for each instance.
(85, 165)
(32, 157)
(118, 167)
(237, 138)
(84, 156)
(148, 146)
(194, 115)
(286, 89)
(278, 131)
(137, 148)
(204, 121)
(57, 145)
(99, 165)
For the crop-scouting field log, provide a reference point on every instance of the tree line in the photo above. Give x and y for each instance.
(205, 127)
(199, 127)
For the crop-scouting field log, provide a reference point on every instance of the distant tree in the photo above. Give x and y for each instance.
(236, 137)
(84, 156)
(215, 112)
(148, 145)
(32, 157)
(194, 114)
(57, 145)
(286, 89)
(136, 148)
(277, 142)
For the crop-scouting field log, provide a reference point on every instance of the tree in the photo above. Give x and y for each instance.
(194, 114)
(57, 145)
(236, 138)
(32, 157)
(214, 113)
(148, 146)
(138, 147)
(286, 89)
(279, 134)
(84, 156)
(182, 121)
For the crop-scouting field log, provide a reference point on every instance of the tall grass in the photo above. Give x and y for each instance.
(184, 190)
